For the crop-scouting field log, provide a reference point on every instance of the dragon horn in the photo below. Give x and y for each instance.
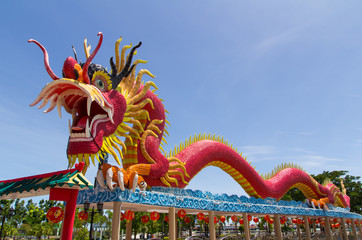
(46, 60)
(90, 58)
(127, 69)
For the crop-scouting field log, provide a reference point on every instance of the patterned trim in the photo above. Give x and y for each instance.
(190, 199)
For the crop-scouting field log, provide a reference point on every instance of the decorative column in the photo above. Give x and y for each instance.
(277, 227)
(172, 223)
(212, 226)
(327, 228)
(360, 227)
(246, 227)
(354, 229)
(129, 230)
(299, 233)
(314, 226)
(306, 226)
(344, 229)
(70, 196)
(115, 220)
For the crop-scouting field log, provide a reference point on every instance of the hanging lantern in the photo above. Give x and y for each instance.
(55, 214)
(200, 216)
(83, 215)
(187, 219)
(145, 219)
(216, 219)
(338, 225)
(322, 223)
(241, 221)
(271, 221)
(256, 219)
(155, 216)
(234, 218)
(335, 220)
(222, 219)
(317, 221)
(166, 218)
(282, 221)
(266, 217)
(299, 221)
(309, 221)
(249, 218)
(333, 225)
(206, 219)
(181, 213)
(129, 215)
(122, 216)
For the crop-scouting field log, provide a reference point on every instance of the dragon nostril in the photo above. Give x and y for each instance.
(76, 74)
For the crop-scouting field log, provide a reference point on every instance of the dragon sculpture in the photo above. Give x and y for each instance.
(107, 107)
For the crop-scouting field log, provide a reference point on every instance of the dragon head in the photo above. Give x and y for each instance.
(100, 102)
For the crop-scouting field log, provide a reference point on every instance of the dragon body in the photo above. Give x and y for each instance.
(116, 113)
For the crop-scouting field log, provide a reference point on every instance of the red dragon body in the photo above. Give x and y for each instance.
(107, 107)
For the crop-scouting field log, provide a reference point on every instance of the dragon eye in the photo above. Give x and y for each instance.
(100, 80)
(99, 84)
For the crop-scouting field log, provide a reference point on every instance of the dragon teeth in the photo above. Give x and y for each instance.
(59, 108)
(87, 131)
(89, 103)
(110, 115)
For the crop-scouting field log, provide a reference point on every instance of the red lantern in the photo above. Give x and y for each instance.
(181, 213)
(337, 225)
(282, 221)
(256, 219)
(234, 218)
(322, 223)
(271, 221)
(250, 218)
(335, 220)
(187, 219)
(333, 226)
(145, 219)
(241, 221)
(216, 219)
(355, 222)
(309, 221)
(83, 215)
(348, 221)
(55, 214)
(206, 219)
(299, 221)
(122, 216)
(222, 219)
(166, 218)
(266, 217)
(155, 216)
(200, 216)
(317, 221)
(129, 215)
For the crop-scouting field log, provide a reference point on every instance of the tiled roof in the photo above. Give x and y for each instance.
(41, 184)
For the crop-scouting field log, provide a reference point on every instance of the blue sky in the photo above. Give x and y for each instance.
(281, 80)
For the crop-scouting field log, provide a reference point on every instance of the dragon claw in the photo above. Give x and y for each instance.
(109, 176)
(100, 179)
(121, 180)
(142, 185)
